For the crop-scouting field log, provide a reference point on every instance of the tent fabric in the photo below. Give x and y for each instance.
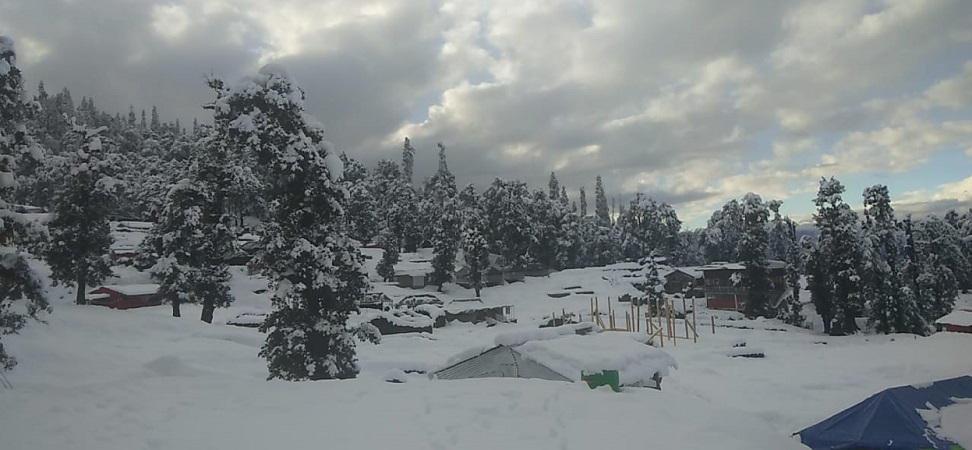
(889, 419)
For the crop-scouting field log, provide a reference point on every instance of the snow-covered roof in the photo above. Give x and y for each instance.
(133, 289)
(519, 337)
(961, 317)
(771, 264)
(636, 362)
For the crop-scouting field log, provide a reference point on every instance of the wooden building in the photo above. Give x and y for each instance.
(125, 296)
(722, 290)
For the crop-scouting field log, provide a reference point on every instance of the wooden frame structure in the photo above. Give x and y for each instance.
(657, 319)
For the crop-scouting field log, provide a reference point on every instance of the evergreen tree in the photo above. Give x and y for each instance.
(132, 121)
(506, 204)
(583, 202)
(445, 242)
(315, 268)
(19, 282)
(408, 161)
(783, 246)
(649, 227)
(194, 236)
(80, 237)
(155, 125)
(143, 124)
(839, 248)
(723, 232)
(940, 258)
(362, 211)
(752, 254)
(819, 282)
(554, 187)
(654, 287)
(891, 309)
(475, 249)
(601, 205)
(389, 257)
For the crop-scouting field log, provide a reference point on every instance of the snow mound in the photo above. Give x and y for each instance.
(571, 355)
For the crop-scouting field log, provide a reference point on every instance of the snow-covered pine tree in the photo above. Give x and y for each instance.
(554, 186)
(445, 242)
(362, 210)
(194, 235)
(890, 309)
(408, 161)
(940, 256)
(315, 269)
(506, 204)
(77, 251)
(819, 281)
(752, 254)
(389, 243)
(723, 231)
(601, 205)
(475, 249)
(583, 202)
(839, 248)
(649, 227)
(156, 124)
(783, 246)
(654, 286)
(545, 224)
(18, 282)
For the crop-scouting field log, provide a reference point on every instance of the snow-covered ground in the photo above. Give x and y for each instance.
(95, 378)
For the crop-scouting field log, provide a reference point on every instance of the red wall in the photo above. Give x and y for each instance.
(721, 302)
(957, 328)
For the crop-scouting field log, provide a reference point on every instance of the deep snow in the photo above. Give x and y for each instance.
(139, 379)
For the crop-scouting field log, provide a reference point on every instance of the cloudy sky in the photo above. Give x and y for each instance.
(692, 102)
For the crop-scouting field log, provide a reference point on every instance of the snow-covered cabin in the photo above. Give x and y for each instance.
(722, 291)
(687, 280)
(561, 354)
(125, 296)
(958, 321)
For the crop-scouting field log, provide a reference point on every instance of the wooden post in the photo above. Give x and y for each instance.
(627, 321)
(671, 323)
(713, 324)
(639, 317)
(610, 313)
(685, 317)
(695, 330)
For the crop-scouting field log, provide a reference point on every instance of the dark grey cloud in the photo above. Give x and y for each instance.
(692, 102)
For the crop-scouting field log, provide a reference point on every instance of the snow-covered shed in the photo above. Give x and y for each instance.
(958, 321)
(125, 296)
(560, 354)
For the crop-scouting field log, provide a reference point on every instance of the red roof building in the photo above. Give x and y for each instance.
(126, 296)
(958, 321)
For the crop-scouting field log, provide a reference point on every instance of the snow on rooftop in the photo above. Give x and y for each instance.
(519, 337)
(133, 289)
(961, 317)
(635, 361)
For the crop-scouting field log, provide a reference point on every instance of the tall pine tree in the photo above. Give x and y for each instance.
(80, 236)
(601, 205)
(18, 282)
(752, 254)
(315, 268)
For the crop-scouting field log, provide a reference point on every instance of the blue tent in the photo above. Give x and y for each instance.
(889, 419)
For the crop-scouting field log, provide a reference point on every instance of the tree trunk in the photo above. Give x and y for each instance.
(207, 311)
(175, 309)
(82, 286)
